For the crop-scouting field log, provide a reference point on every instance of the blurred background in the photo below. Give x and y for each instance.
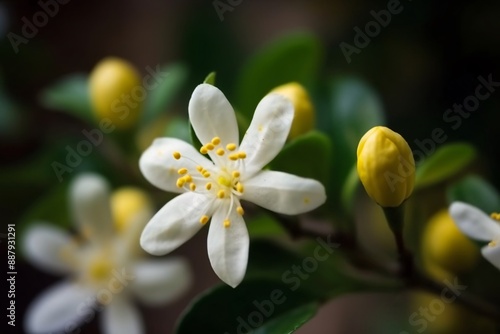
(426, 59)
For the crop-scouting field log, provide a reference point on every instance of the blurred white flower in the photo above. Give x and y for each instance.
(103, 265)
(212, 189)
(479, 226)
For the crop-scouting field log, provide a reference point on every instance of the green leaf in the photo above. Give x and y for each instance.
(194, 139)
(289, 321)
(267, 305)
(447, 161)
(352, 109)
(70, 94)
(178, 128)
(295, 57)
(475, 191)
(308, 156)
(264, 226)
(159, 99)
(349, 189)
(210, 79)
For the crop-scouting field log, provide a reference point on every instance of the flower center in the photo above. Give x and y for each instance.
(222, 180)
(494, 216)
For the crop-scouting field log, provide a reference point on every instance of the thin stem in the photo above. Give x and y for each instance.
(395, 219)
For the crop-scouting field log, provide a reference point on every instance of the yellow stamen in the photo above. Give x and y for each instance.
(182, 171)
(227, 223)
(208, 186)
(231, 147)
(206, 174)
(216, 140)
(210, 146)
(221, 194)
(204, 219)
(233, 156)
(242, 155)
(203, 150)
(239, 187)
(240, 211)
(199, 168)
(492, 243)
(176, 155)
(187, 178)
(236, 174)
(192, 186)
(495, 216)
(220, 152)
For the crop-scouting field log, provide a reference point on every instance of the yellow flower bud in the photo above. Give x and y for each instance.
(386, 166)
(304, 116)
(128, 205)
(445, 246)
(116, 92)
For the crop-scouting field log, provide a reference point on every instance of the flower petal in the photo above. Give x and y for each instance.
(228, 246)
(492, 254)
(160, 168)
(284, 193)
(175, 223)
(61, 307)
(90, 202)
(473, 222)
(267, 133)
(121, 316)
(43, 245)
(160, 281)
(212, 116)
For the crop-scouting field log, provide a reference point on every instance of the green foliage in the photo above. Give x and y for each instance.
(446, 162)
(268, 305)
(295, 57)
(159, 99)
(264, 226)
(71, 95)
(210, 78)
(475, 191)
(308, 156)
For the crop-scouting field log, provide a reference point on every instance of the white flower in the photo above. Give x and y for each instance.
(104, 267)
(212, 189)
(479, 226)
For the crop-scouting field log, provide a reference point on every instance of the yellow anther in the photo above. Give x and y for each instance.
(231, 147)
(203, 150)
(240, 211)
(208, 186)
(216, 140)
(220, 151)
(227, 223)
(492, 243)
(210, 146)
(233, 156)
(187, 178)
(204, 219)
(221, 194)
(182, 171)
(495, 216)
(180, 182)
(192, 186)
(236, 174)
(176, 155)
(199, 168)
(242, 155)
(223, 181)
(239, 187)
(206, 174)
